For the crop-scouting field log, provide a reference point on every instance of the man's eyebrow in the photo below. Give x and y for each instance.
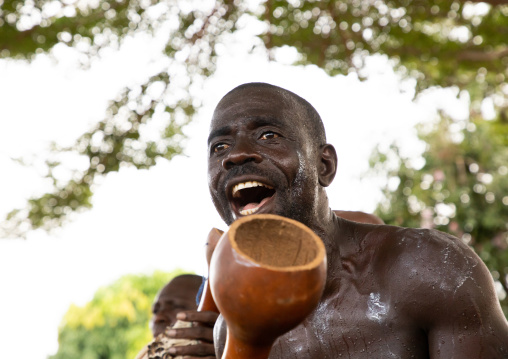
(219, 132)
(258, 121)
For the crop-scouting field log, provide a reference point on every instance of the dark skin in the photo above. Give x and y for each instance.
(357, 216)
(391, 292)
(203, 331)
(179, 294)
(177, 300)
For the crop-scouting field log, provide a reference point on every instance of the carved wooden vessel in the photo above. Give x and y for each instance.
(267, 274)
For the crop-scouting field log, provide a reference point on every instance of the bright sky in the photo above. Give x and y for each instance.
(158, 218)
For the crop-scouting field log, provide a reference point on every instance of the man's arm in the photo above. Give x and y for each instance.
(451, 295)
(470, 322)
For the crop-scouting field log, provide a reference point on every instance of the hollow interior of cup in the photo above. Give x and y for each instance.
(276, 243)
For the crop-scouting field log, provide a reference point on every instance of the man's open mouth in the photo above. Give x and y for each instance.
(248, 197)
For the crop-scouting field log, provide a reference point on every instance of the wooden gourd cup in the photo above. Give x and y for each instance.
(267, 274)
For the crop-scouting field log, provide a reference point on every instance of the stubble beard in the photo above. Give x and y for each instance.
(300, 207)
(296, 201)
(291, 207)
(290, 202)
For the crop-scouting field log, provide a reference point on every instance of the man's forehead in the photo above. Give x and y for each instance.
(178, 285)
(259, 109)
(254, 96)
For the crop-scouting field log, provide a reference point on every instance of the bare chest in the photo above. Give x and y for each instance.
(354, 325)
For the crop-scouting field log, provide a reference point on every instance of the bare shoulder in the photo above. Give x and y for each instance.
(440, 282)
(430, 260)
(416, 249)
(358, 216)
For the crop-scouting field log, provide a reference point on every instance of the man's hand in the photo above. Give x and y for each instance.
(201, 331)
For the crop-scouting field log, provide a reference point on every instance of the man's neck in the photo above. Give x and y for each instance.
(326, 225)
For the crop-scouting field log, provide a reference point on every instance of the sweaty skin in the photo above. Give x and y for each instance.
(391, 292)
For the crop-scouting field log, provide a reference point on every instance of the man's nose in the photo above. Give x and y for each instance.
(159, 319)
(241, 153)
(164, 316)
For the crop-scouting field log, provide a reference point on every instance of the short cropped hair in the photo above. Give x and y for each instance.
(310, 119)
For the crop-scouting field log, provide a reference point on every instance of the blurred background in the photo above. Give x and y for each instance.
(104, 113)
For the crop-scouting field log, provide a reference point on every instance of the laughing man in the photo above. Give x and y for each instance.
(391, 292)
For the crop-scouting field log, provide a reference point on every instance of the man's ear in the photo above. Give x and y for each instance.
(327, 165)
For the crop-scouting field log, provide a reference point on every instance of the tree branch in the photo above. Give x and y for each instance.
(492, 2)
(482, 55)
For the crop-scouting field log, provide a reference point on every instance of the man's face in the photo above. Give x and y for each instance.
(174, 298)
(260, 158)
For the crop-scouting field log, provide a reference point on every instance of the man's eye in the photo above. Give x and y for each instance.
(269, 135)
(220, 147)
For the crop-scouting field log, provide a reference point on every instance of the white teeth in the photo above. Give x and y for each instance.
(248, 184)
(240, 186)
(246, 212)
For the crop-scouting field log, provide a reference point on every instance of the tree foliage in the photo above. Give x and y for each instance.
(114, 324)
(122, 137)
(435, 42)
(438, 42)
